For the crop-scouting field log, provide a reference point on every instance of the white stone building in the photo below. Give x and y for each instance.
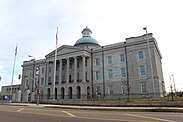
(6, 93)
(90, 71)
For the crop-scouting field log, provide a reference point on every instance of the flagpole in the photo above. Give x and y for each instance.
(54, 77)
(13, 73)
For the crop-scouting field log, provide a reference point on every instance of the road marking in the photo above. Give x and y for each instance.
(68, 113)
(20, 109)
(153, 118)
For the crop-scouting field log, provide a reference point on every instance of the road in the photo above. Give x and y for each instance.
(40, 114)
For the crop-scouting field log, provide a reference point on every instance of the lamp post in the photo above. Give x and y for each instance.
(174, 84)
(33, 71)
(127, 75)
(37, 84)
(150, 60)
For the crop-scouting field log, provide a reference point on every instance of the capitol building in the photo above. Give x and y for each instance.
(87, 70)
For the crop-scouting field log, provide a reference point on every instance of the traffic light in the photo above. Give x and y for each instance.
(19, 76)
(38, 91)
(37, 70)
(37, 87)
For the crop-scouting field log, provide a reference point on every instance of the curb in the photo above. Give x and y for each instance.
(102, 108)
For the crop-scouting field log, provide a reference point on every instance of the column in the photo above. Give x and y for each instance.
(75, 69)
(47, 73)
(67, 71)
(60, 72)
(83, 68)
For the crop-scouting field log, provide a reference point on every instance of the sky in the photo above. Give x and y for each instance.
(31, 25)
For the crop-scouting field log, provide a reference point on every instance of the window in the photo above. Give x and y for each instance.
(109, 74)
(70, 77)
(77, 76)
(49, 69)
(123, 89)
(49, 79)
(86, 76)
(86, 63)
(70, 65)
(97, 61)
(110, 90)
(97, 75)
(98, 90)
(63, 77)
(77, 63)
(141, 55)
(42, 81)
(56, 78)
(123, 72)
(57, 66)
(63, 66)
(143, 87)
(42, 70)
(142, 71)
(109, 59)
(122, 57)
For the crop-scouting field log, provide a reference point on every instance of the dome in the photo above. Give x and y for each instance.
(86, 39)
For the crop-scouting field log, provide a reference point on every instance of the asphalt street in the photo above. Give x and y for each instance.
(41, 114)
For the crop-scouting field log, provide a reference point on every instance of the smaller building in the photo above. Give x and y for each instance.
(16, 93)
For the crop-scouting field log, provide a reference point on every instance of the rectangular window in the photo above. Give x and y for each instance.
(56, 78)
(63, 77)
(122, 57)
(86, 63)
(49, 79)
(77, 76)
(123, 89)
(49, 69)
(123, 72)
(141, 55)
(97, 61)
(98, 90)
(142, 71)
(42, 70)
(109, 74)
(86, 76)
(110, 90)
(63, 66)
(70, 77)
(70, 65)
(77, 63)
(42, 81)
(143, 87)
(57, 66)
(109, 59)
(97, 75)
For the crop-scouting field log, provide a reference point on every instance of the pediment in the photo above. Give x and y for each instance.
(64, 49)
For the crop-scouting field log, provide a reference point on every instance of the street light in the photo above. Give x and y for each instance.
(151, 68)
(33, 71)
(37, 84)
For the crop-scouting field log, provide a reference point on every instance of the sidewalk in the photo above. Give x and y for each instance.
(142, 109)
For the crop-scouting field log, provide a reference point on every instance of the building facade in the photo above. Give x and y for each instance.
(90, 71)
(16, 93)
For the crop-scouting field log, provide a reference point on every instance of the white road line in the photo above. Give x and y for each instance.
(68, 113)
(20, 109)
(147, 117)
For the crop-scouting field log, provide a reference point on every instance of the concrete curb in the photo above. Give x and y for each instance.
(102, 108)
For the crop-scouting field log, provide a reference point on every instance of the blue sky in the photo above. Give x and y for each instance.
(32, 24)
